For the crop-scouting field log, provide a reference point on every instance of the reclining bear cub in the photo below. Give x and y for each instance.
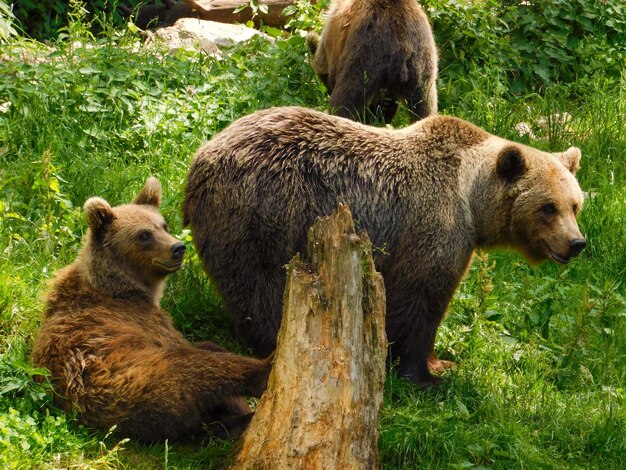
(115, 356)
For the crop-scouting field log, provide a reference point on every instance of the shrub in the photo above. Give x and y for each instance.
(6, 22)
(533, 43)
(42, 19)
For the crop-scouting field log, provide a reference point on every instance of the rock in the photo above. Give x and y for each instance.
(524, 128)
(562, 120)
(194, 34)
(543, 126)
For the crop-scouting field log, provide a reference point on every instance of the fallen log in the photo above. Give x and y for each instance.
(225, 11)
(270, 12)
(321, 407)
(158, 15)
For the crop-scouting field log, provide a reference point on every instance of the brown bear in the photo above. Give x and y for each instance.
(373, 53)
(115, 356)
(428, 196)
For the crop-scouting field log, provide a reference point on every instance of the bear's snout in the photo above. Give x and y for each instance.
(178, 251)
(576, 246)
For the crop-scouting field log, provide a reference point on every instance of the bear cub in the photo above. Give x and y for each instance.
(115, 356)
(373, 53)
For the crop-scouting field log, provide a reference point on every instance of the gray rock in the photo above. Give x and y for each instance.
(195, 34)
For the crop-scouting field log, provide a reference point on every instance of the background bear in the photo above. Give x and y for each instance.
(373, 53)
(428, 196)
(114, 354)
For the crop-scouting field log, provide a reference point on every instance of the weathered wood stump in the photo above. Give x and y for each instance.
(321, 408)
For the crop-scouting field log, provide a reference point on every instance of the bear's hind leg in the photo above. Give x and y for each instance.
(422, 102)
(259, 326)
(350, 96)
(230, 418)
(384, 109)
(252, 292)
(171, 393)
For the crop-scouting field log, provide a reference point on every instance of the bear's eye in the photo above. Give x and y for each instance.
(166, 228)
(575, 209)
(549, 209)
(144, 236)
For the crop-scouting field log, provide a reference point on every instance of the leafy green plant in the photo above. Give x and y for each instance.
(566, 40)
(19, 382)
(6, 22)
(45, 440)
(42, 19)
(78, 26)
(305, 15)
(535, 44)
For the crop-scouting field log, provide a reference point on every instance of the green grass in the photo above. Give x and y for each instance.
(541, 351)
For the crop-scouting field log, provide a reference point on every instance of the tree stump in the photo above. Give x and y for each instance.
(321, 407)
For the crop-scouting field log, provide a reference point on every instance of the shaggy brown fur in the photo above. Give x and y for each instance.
(428, 195)
(373, 53)
(114, 354)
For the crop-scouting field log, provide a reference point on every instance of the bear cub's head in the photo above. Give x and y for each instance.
(132, 238)
(546, 199)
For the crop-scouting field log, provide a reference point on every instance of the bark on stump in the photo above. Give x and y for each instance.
(321, 408)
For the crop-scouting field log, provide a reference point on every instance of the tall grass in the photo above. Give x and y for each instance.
(541, 373)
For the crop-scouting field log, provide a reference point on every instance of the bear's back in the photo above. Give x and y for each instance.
(278, 141)
(262, 182)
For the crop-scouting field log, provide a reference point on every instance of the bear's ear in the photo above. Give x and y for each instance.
(571, 159)
(150, 194)
(511, 164)
(98, 213)
(312, 41)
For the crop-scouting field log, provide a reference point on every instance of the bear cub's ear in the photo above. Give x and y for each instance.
(571, 159)
(98, 213)
(150, 194)
(510, 164)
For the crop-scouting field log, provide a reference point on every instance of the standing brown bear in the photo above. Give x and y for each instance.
(373, 53)
(428, 195)
(115, 356)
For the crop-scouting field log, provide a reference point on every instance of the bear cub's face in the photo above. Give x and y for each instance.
(135, 235)
(548, 199)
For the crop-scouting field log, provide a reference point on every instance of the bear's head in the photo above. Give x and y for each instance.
(129, 245)
(545, 199)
